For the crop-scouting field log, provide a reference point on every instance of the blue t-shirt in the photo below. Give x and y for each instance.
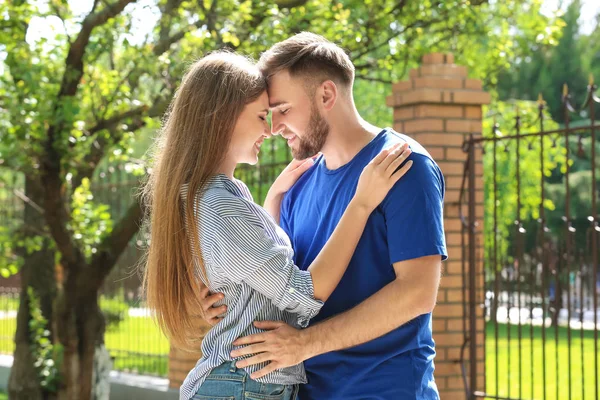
(408, 224)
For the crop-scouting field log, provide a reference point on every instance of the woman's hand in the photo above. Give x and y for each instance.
(209, 313)
(283, 183)
(380, 175)
(291, 174)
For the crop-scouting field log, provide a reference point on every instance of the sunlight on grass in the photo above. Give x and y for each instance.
(136, 345)
(516, 373)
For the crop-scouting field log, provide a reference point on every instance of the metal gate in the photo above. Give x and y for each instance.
(531, 262)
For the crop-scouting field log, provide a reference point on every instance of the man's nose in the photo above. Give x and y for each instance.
(275, 124)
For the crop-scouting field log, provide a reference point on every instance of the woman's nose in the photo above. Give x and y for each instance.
(267, 132)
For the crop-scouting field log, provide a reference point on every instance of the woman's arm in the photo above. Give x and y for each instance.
(244, 252)
(273, 203)
(375, 182)
(241, 249)
(283, 183)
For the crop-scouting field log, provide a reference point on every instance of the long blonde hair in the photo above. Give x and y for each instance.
(191, 145)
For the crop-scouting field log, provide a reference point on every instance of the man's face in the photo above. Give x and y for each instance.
(296, 116)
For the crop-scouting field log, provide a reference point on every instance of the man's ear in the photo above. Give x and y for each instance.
(328, 94)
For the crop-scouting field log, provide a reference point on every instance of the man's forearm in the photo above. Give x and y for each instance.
(412, 293)
(392, 306)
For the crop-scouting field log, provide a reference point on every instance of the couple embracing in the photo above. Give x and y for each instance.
(326, 291)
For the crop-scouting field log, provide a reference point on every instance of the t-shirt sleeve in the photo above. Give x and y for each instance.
(246, 253)
(413, 212)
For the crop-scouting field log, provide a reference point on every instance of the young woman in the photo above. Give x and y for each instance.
(205, 226)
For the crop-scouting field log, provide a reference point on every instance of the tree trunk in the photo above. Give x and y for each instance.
(101, 374)
(37, 272)
(80, 329)
(75, 321)
(494, 307)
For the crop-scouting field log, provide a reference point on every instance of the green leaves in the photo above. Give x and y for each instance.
(506, 196)
(90, 222)
(10, 262)
(47, 357)
(385, 38)
(123, 71)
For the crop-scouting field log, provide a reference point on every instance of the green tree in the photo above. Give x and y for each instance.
(550, 67)
(502, 196)
(566, 64)
(590, 49)
(82, 95)
(512, 191)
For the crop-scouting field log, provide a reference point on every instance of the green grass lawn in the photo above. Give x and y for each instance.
(3, 396)
(137, 345)
(8, 327)
(515, 377)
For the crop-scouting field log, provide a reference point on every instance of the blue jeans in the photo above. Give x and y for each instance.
(227, 382)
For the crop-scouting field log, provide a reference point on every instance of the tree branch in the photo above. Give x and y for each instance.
(54, 207)
(110, 123)
(114, 244)
(210, 17)
(392, 35)
(60, 16)
(398, 7)
(106, 104)
(5, 163)
(373, 79)
(165, 43)
(20, 194)
(167, 12)
(18, 25)
(57, 214)
(258, 15)
(166, 40)
(74, 62)
(366, 64)
(98, 149)
(283, 4)
(95, 5)
(136, 115)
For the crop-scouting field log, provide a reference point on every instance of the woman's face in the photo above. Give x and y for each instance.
(251, 129)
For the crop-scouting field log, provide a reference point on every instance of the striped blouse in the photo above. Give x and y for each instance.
(248, 258)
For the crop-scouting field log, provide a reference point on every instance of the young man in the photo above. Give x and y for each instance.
(373, 337)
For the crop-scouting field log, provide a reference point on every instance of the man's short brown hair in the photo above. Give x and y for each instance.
(310, 56)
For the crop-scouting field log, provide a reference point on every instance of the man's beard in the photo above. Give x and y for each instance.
(314, 137)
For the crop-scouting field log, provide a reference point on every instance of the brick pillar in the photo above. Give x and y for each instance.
(181, 362)
(439, 106)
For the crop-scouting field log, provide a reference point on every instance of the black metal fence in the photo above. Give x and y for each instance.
(133, 340)
(537, 250)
